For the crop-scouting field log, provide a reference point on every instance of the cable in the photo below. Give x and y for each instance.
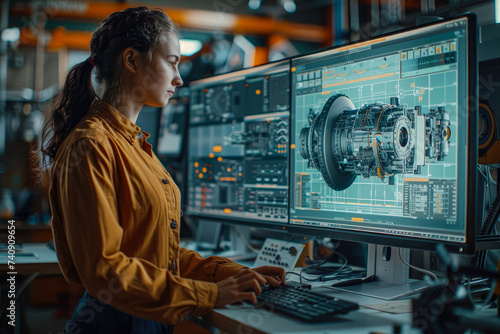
(314, 265)
(488, 297)
(379, 163)
(382, 111)
(325, 273)
(491, 216)
(338, 273)
(309, 266)
(302, 278)
(491, 219)
(482, 254)
(468, 288)
(430, 273)
(480, 171)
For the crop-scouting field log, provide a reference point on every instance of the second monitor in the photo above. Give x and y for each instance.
(238, 149)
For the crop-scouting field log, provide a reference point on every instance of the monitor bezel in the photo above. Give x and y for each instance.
(469, 246)
(234, 74)
(249, 222)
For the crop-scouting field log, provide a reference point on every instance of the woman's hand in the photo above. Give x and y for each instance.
(275, 276)
(242, 286)
(246, 284)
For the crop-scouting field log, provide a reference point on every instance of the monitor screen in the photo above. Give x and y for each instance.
(384, 138)
(148, 121)
(238, 145)
(172, 128)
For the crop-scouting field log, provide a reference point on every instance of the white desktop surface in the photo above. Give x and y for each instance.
(247, 319)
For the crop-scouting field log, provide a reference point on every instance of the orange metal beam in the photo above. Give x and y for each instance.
(61, 39)
(261, 55)
(188, 19)
(58, 38)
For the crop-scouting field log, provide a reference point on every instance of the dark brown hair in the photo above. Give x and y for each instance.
(139, 28)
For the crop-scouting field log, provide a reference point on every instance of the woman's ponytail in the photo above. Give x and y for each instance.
(67, 108)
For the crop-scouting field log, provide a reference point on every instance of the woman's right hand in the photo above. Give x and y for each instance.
(239, 287)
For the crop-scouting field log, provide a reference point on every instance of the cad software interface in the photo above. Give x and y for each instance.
(379, 135)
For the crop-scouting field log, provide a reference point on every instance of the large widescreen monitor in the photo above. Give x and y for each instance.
(384, 138)
(238, 145)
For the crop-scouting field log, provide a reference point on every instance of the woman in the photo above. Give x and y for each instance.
(115, 208)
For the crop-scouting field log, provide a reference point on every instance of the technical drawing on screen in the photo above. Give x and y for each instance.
(377, 141)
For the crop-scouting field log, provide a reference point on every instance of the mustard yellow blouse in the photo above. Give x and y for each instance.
(116, 220)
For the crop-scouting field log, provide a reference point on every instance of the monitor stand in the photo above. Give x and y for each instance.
(238, 250)
(392, 275)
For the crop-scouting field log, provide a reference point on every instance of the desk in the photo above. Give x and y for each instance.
(246, 319)
(43, 261)
(249, 320)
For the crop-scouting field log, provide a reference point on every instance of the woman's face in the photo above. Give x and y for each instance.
(159, 77)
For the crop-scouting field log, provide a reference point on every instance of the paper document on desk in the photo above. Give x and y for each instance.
(402, 306)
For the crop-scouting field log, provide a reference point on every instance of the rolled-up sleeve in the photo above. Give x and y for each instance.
(210, 269)
(89, 235)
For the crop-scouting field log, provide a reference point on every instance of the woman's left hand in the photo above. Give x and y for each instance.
(275, 276)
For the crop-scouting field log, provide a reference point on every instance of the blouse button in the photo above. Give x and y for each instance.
(173, 225)
(164, 181)
(172, 266)
(139, 135)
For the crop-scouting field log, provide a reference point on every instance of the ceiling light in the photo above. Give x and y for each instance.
(497, 10)
(289, 5)
(254, 4)
(190, 46)
(11, 35)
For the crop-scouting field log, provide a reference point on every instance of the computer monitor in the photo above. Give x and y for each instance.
(148, 120)
(384, 139)
(172, 129)
(208, 235)
(238, 145)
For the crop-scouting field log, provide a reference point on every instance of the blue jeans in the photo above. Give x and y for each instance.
(92, 316)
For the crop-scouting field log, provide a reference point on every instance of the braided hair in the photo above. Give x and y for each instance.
(139, 28)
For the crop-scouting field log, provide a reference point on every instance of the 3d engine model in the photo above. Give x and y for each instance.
(376, 140)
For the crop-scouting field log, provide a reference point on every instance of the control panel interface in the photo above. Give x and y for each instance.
(379, 135)
(238, 149)
(279, 253)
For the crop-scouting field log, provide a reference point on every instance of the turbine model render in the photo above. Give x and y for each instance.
(376, 140)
